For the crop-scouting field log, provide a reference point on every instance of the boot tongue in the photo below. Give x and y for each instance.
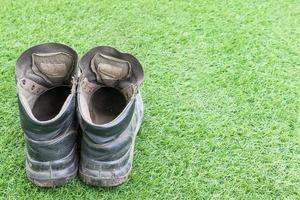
(110, 70)
(54, 68)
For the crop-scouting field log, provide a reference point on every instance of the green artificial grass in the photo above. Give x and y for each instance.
(221, 94)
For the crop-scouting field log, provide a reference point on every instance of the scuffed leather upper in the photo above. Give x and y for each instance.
(52, 140)
(107, 152)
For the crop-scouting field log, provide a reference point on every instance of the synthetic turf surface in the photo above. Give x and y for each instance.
(221, 94)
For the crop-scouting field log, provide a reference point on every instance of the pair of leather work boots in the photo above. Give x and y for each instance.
(95, 109)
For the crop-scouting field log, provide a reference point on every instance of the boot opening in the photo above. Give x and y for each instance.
(106, 104)
(49, 103)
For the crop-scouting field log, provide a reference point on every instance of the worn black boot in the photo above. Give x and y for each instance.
(110, 114)
(46, 86)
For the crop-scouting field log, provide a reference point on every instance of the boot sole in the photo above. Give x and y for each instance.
(104, 182)
(52, 182)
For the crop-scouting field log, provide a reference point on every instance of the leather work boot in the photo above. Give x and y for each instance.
(46, 89)
(110, 110)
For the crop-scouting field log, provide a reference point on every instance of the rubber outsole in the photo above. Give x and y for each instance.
(104, 182)
(52, 182)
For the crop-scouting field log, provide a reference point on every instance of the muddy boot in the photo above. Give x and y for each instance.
(46, 89)
(110, 114)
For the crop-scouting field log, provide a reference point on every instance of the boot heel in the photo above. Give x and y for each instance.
(53, 173)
